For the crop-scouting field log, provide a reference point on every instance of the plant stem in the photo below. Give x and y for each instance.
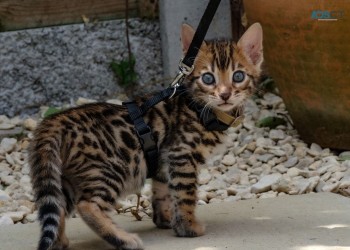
(127, 28)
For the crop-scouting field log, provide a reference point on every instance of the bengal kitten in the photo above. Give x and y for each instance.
(88, 157)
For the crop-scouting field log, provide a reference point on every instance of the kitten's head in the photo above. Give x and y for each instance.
(225, 73)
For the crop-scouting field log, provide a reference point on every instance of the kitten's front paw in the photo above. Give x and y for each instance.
(132, 242)
(161, 221)
(189, 229)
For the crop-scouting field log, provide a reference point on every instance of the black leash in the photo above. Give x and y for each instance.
(201, 31)
(143, 130)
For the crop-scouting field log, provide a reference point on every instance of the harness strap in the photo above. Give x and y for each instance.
(144, 131)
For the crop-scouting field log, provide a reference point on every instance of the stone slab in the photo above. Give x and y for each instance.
(313, 221)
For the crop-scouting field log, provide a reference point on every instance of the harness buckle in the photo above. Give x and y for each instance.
(184, 71)
(175, 88)
(147, 139)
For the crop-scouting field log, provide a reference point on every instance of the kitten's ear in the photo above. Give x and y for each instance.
(187, 33)
(251, 44)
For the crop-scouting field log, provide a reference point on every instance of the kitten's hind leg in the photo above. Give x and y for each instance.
(161, 203)
(103, 225)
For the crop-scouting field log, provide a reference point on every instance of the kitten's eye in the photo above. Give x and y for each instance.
(208, 78)
(238, 76)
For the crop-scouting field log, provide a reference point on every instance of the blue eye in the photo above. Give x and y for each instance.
(208, 79)
(238, 76)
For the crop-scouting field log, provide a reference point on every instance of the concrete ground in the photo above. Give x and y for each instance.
(306, 222)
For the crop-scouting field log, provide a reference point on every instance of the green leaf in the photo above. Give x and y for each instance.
(344, 158)
(271, 122)
(125, 71)
(50, 111)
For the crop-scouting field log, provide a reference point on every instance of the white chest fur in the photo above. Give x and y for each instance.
(213, 154)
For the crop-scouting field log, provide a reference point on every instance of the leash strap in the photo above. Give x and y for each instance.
(201, 31)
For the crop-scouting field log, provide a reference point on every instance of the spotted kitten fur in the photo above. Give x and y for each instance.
(86, 158)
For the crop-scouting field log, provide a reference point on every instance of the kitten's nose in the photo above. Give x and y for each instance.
(225, 96)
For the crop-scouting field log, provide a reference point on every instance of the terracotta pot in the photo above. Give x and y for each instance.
(309, 59)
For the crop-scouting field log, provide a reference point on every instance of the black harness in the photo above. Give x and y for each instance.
(209, 120)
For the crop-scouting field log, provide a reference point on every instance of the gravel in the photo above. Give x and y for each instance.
(259, 163)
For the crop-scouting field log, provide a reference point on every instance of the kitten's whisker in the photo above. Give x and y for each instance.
(207, 109)
(203, 113)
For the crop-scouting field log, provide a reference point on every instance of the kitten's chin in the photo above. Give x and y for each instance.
(225, 107)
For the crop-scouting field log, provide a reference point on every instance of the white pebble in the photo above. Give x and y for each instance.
(315, 165)
(300, 186)
(31, 217)
(289, 149)
(8, 144)
(6, 220)
(265, 157)
(300, 152)
(272, 99)
(200, 202)
(282, 185)
(202, 195)
(9, 159)
(4, 196)
(264, 142)
(5, 126)
(15, 216)
(30, 124)
(82, 101)
(330, 187)
(338, 175)
(265, 183)
(292, 161)
(215, 185)
(270, 194)
(204, 177)
(8, 180)
(292, 172)
(315, 150)
(281, 168)
(277, 152)
(232, 176)
(244, 180)
(308, 174)
(277, 134)
(305, 163)
(228, 160)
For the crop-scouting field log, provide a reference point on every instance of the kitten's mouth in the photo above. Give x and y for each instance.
(225, 106)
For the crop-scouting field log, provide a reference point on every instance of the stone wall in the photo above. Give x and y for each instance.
(56, 65)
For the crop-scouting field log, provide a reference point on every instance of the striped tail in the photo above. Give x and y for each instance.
(45, 166)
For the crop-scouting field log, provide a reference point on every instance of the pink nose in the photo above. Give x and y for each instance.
(225, 96)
